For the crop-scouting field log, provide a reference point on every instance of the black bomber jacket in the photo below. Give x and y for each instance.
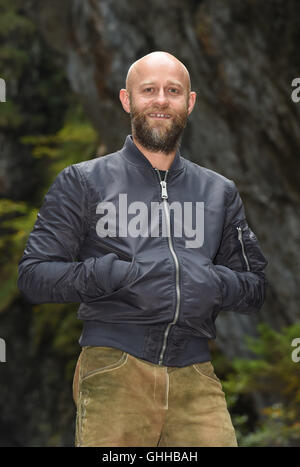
(151, 262)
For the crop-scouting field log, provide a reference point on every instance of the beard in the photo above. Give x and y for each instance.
(160, 136)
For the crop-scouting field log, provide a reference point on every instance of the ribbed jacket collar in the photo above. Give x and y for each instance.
(131, 152)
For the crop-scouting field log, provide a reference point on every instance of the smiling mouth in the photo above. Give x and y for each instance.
(159, 115)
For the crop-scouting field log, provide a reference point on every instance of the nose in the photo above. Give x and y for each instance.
(161, 98)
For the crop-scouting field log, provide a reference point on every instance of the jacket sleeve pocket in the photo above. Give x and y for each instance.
(239, 261)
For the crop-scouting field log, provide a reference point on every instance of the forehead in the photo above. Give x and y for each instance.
(160, 72)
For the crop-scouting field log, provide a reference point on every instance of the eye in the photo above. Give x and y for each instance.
(148, 90)
(173, 90)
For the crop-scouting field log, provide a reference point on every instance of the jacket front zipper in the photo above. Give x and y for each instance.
(164, 196)
(240, 237)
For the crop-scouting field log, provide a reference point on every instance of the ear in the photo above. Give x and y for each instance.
(124, 98)
(192, 100)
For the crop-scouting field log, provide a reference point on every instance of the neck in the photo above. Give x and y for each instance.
(159, 160)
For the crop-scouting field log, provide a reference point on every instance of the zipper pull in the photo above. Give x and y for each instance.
(240, 237)
(163, 184)
(164, 193)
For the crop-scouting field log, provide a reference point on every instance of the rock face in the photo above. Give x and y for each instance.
(242, 58)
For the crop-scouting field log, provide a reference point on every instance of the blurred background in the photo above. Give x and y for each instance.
(63, 64)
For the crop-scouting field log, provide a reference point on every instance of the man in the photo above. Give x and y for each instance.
(153, 247)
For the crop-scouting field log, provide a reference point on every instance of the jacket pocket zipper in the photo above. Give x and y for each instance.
(240, 237)
(117, 252)
(207, 334)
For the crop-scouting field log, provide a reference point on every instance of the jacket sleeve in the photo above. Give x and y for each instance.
(239, 261)
(48, 270)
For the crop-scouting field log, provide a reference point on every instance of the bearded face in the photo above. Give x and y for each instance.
(155, 133)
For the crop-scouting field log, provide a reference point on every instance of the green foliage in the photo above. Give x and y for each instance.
(43, 117)
(56, 327)
(11, 21)
(53, 326)
(36, 86)
(74, 142)
(274, 375)
(15, 30)
(16, 220)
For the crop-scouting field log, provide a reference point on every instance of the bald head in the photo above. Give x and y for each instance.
(157, 60)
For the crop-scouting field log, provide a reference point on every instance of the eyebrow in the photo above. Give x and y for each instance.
(174, 83)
